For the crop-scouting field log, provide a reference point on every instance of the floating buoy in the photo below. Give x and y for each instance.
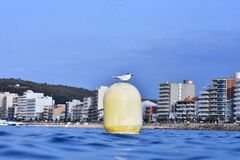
(122, 109)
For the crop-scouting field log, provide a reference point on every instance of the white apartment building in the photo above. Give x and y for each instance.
(36, 106)
(100, 93)
(7, 105)
(91, 109)
(203, 105)
(84, 111)
(69, 107)
(31, 105)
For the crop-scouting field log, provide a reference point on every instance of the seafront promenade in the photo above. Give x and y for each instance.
(182, 126)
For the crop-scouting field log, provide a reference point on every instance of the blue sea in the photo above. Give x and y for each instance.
(48, 143)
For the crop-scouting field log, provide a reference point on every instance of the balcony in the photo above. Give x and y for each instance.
(237, 89)
(203, 110)
(213, 101)
(180, 109)
(204, 97)
(213, 104)
(203, 101)
(185, 108)
(213, 96)
(164, 87)
(237, 108)
(237, 113)
(213, 110)
(164, 91)
(163, 110)
(191, 113)
(203, 106)
(203, 114)
(163, 103)
(163, 114)
(164, 99)
(180, 113)
(213, 114)
(164, 95)
(237, 98)
(213, 91)
(190, 109)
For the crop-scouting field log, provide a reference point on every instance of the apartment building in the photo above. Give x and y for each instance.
(217, 101)
(58, 113)
(169, 93)
(7, 105)
(237, 98)
(69, 108)
(185, 109)
(84, 112)
(150, 111)
(31, 105)
(203, 105)
(98, 102)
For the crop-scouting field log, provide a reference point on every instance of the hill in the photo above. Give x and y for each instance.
(60, 93)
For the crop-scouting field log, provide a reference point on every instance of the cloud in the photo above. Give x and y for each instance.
(218, 44)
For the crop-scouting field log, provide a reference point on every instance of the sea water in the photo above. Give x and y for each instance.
(77, 143)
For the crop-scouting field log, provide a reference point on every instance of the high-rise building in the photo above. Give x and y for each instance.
(100, 96)
(21, 108)
(203, 105)
(7, 105)
(10, 104)
(219, 102)
(222, 90)
(237, 98)
(229, 112)
(37, 106)
(97, 108)
(30, 105)
(89, 109)
(2, 95)
(169, 93)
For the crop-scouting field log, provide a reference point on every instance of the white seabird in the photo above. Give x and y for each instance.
(124, 77)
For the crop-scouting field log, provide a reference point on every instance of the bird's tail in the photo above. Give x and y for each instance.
(114, 76)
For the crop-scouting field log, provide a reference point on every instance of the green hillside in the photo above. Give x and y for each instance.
(60, 93)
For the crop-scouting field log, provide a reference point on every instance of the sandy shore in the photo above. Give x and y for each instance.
(192, 126)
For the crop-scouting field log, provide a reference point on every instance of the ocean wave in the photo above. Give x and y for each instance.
(78, 143)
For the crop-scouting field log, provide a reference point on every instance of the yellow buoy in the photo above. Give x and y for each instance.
(122, 109)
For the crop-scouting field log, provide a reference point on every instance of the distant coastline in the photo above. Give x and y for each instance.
(169, 126)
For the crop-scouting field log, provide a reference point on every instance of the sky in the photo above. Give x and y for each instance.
(84, 43)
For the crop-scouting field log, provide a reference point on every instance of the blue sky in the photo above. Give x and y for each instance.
(84, 43)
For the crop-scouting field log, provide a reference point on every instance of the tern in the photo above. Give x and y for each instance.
(124, 77)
